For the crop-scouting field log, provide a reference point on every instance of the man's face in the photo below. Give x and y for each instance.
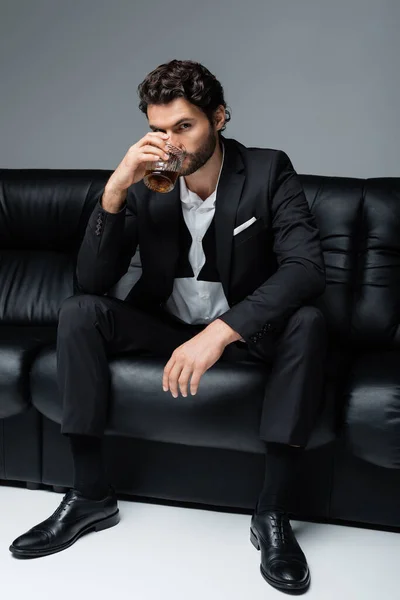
(186, 125)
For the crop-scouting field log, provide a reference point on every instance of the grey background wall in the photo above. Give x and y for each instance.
(316, 78)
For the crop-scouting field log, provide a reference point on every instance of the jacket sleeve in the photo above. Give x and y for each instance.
(109, 243)
(300, 276)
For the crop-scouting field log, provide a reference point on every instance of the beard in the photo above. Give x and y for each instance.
(198, 159)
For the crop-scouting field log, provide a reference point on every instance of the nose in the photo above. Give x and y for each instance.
(172, 140)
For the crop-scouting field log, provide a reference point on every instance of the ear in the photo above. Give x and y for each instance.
(219, 117)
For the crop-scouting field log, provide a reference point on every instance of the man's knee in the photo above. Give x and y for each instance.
(76, 311)
(309, 317)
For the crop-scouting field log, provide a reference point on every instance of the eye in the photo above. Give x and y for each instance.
(185, 126)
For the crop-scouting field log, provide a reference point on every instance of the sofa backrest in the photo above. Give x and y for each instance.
(376, 305)
(43, 216)
(336, 203)
(44, 213)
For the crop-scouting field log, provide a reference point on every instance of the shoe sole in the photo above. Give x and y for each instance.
(97, 526)
(288, 587)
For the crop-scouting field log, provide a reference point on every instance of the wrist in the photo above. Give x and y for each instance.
(226, 334)
(113, 199)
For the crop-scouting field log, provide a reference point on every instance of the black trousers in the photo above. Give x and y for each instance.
(93, 328)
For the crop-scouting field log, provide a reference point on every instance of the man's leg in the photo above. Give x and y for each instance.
(91, 329)
(292, 400)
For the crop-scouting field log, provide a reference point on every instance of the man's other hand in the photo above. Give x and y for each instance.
(192, 359)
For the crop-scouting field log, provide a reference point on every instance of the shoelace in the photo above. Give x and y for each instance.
(65, 502)
(280, 529)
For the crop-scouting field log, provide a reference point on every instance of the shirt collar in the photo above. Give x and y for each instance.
(192, 199)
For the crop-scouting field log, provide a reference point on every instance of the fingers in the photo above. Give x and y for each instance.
(173, 379)
(195, 381)
(144, 158)
(183, 380)
(180, 369)
(167, 370)
(154, 151)
(156, 134)
(176, 377)
(155, 139)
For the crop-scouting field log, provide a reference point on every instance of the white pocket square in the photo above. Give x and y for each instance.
(244, 226)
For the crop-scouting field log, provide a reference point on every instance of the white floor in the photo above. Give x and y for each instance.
(168, 553)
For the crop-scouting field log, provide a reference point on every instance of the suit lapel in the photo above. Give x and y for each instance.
(229, 192)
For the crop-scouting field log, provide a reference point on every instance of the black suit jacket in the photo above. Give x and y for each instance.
(267, 271)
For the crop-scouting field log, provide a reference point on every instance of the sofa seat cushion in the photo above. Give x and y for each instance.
(224, 414)
(18, 347)
(372, 408)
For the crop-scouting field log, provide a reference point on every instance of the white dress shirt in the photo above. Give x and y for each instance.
(191, 300)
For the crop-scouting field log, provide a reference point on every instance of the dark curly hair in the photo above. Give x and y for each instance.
(183, 79)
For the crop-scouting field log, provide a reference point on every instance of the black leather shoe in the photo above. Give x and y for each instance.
(74, 517)
(283, 564)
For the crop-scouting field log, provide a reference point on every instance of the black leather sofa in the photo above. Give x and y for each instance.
(206, 449)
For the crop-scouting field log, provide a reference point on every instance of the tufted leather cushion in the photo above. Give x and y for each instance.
(372, 418)
(43, 217)
(18, 348)
(336, 203)
(376, 317)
